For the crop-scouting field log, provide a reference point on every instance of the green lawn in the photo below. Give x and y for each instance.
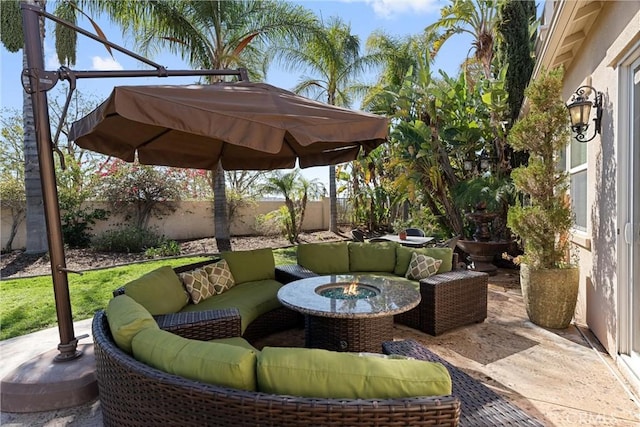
(27, 305)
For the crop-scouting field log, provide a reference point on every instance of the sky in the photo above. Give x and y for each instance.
(394, 17)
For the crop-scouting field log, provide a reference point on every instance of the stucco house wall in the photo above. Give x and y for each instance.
(590, 39)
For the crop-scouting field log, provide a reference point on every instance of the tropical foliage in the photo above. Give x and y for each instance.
(296, 191)
(448, 147)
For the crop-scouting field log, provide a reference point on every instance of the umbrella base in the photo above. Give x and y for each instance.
(40, 384)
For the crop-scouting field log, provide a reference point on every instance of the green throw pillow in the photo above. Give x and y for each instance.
(403, 257)
(327, 374)
(250, 266)
(379, 256)
(217, 363)
(126, 318)
(324, 258)
(159, 291)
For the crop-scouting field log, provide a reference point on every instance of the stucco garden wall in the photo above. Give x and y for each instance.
(193, 220)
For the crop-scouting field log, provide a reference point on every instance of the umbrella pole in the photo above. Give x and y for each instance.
(38, 84)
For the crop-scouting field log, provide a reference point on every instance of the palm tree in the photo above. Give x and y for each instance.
(479, 18)
(296, 191)
(218, 35)
(333, 55)
(13, 41)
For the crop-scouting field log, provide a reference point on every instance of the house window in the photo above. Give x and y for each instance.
(577, 168)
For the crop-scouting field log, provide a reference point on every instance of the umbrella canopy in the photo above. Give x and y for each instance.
(246, 125)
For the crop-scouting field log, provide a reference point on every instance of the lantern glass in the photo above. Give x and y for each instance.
(580, 112)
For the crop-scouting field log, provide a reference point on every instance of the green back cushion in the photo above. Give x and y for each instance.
(324, 258)
(159, 291)
(403, 257)
(237, 341)
(249, 266)
(126, 318)
(211, 362)
(379, 256)
(252, 299)
(325, 374)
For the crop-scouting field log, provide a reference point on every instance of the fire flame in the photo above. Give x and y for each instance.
(352, 289)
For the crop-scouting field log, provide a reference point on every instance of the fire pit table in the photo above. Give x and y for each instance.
(349, 312)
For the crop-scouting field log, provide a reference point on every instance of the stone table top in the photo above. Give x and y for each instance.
(393, 297)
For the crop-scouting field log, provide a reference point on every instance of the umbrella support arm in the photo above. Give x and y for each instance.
(160, 71)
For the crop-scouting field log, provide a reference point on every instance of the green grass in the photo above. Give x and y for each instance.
(27, 305)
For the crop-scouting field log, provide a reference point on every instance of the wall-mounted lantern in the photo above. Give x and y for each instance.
(580, 112)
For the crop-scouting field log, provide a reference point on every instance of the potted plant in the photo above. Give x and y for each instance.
(549, 281)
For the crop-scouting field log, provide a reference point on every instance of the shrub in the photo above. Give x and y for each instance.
(545, 220)
(140, 191)
(129, 239)
(77, 221)
(166, 248)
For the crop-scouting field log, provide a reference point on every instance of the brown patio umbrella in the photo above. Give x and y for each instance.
(245, 125)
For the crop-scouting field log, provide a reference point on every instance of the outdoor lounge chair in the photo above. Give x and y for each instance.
(417, 232)
(358, 236)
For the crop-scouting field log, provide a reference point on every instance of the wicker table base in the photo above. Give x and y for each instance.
(356, 335)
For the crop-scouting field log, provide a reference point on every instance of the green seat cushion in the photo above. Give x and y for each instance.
(372, 256)
(324, 258)
(160, 291)
(327, 374)
(126, 318)
(249, 266)
(403, 257)
(252, 299)
(210, 362)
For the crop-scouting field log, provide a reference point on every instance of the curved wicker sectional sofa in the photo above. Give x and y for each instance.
(134, 394)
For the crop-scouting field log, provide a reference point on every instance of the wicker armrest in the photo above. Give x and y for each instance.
(202, 325)
(290, 272)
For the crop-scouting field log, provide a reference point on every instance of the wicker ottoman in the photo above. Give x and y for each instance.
(452, 299)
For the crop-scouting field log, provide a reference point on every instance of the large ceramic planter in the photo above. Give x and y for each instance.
(550, 295)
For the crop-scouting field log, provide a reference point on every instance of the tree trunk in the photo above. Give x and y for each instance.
(16, 218)
(333, 202)
(35, 221)
(221, 222)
